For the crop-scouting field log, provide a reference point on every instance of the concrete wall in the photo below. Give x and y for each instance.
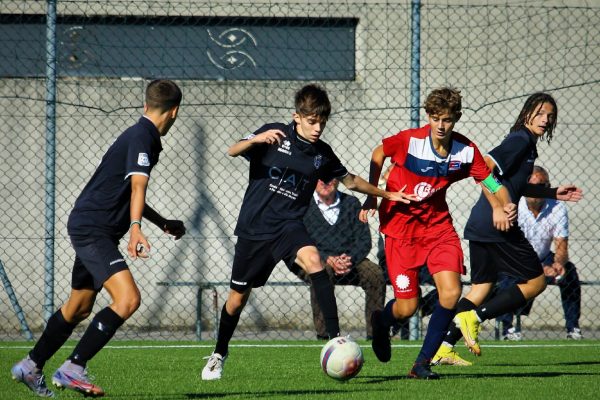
(497, 55)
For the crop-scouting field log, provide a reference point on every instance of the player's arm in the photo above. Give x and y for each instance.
(171, 226)
(271, 136)
(138, 245)
(504, 212)
(358, 184)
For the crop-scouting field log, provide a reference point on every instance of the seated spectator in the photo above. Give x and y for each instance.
(344, 243)
(545, 222)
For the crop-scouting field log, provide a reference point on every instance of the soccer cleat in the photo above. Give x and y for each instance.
(422, 371)
(575, 334)
(27, 372)
(513, 334)
(446, 355)
(470, 327)
(381, 338)
(213, 369)
(75, 377)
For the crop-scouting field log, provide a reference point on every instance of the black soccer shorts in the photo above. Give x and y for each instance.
(254, 260)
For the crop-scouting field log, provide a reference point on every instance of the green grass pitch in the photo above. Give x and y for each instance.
(290, 370)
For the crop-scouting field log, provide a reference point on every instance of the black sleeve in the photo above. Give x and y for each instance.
(540, 192)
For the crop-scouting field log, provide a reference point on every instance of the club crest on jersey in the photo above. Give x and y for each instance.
(318, 161)
(143, 160)
(454, 165)
(423, 190)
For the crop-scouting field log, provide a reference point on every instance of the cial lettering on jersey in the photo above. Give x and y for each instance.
(288, 178)
(285, 147)
(423, 190)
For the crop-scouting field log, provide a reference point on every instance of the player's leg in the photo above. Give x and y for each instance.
(372, 281)
(105, 264)
(445, 262)
(403, 259)
(516, 259)
(309, 260)
(58, 329)
(253, 263)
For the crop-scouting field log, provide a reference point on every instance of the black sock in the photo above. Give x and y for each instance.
(505, 301)
(227, 325)
(326, 298)
(441, 318)
(99, 332)
(55, 334)
(453, 335)
(387, 315)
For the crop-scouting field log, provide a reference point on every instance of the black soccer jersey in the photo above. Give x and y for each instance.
(514, 158)
(282, 179)
(103, 205)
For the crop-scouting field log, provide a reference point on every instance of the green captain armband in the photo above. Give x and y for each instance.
(491, 183)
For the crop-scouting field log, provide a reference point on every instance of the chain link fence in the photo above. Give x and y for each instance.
(239, 64)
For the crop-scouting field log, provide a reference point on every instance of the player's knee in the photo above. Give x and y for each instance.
(127, 306)
(449, 298)
(312, 263)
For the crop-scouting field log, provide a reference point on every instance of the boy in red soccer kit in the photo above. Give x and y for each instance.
(427, 161)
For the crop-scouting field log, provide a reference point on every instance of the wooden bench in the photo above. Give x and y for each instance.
(213, 285)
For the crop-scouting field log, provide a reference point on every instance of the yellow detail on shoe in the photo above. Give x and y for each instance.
(446, 355)
(470, 327)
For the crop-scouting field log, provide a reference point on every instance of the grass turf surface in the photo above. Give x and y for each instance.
(290, 370)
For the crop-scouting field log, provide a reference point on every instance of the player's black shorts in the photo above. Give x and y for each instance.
(254, 260)
(516, 258)
(97, 258)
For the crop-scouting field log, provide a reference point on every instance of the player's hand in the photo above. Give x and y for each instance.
(559, 268)
(272, 136)
(175, 228)
(500, 219)
(401, 196)
(569, 193)
(510, 210)
(138, 246)
(549, 271)
(368, 209)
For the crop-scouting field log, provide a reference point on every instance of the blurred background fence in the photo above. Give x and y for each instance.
(73, 74)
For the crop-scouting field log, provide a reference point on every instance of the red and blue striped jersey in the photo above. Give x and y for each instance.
(428, 175)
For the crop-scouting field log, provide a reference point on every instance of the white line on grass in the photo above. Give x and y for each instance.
(299, 345)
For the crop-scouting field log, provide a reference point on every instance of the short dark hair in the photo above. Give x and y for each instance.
(312, 99)
(163, 94)
(443, 100)
(532, 104)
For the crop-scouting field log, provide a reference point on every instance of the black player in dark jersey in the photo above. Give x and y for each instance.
(111, 204)
(286, 161)
(493, 251)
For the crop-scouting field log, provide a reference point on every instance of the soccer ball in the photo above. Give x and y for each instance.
(342, 358)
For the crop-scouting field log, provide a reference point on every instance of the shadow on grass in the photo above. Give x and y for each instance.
(268, 393)
(573, 363)
(517, 375)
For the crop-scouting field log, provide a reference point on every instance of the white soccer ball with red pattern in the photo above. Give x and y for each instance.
(342, 358)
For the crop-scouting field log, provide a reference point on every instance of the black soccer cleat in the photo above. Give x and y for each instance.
(422, 371)
(381, 338)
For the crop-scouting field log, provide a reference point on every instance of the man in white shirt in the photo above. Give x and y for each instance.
(545, 222)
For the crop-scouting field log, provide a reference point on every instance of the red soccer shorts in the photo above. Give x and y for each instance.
(405, 257)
